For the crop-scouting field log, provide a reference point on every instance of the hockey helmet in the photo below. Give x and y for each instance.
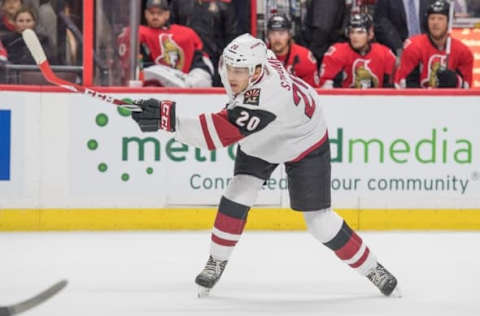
(360, 20)
(439, 7)
(161, 4)
(279, 22)
(245, 51)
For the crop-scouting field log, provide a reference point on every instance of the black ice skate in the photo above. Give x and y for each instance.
(384, 280)
(210, 275)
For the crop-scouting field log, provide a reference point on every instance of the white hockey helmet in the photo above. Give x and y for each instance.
(245, 51)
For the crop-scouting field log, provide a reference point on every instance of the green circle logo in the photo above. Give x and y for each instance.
(92, 144)
(101, 119)
(125, 177)
(102, 167)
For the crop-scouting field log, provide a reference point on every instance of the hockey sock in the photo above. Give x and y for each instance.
(229, 224)
(330, 229)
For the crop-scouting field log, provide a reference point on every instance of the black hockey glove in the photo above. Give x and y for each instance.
(155, 115)
(447, 78)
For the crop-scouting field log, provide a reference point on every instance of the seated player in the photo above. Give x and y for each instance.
(429, 53)
(297, 59)
(175, 51)
(359, 63)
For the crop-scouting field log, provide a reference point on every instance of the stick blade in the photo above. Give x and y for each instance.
(33, 44)
(37, 299)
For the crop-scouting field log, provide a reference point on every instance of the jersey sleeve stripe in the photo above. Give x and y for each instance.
(213, 131)
(227, 132)
(206, 133)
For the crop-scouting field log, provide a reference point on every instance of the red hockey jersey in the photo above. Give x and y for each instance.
(420, 51)
(359, 71)
(302, 64)
(172, 46)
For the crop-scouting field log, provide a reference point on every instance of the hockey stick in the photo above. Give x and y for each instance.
(33, 44)
(32, 302)
(448, 47)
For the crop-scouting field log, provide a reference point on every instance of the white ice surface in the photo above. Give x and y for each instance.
(270, 273)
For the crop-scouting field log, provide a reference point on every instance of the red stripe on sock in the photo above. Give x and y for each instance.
(350, 248)
(223, 242)
(362, 259)
(229, 224)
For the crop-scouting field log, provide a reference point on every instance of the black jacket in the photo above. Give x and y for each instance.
(324, 23)
(391, 22)
(214, 21)
(18, 52)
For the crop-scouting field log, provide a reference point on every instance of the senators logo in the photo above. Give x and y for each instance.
(435, 62)
(252, 97)
(363, 76)
(171, 53)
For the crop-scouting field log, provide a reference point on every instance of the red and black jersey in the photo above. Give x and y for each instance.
(300, 62)
(420, 51)
(359, 71)
(175, 46)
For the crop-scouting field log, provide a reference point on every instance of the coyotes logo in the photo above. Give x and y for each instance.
(435, 62)
(171, 53)
(363, 76)
(252, 97)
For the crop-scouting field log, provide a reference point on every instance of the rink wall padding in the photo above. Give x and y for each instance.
(401, 160)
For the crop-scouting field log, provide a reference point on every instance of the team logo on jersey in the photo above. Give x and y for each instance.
(363, 76)
(252, 97)
(330, 51)
(435, 62)
(171, 53)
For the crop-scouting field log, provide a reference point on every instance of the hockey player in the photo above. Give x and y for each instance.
(429, 52)
(360, 62)
(176, 50)
(297, 59)
(276, 118)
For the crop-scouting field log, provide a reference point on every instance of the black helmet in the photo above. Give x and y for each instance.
(278, 22)
(439, 7)
(161, 4)
(360, 20)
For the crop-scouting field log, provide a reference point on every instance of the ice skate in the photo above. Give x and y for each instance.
(209, 276)
(384, 280)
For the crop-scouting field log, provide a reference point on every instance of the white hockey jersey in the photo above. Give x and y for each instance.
(277, 119)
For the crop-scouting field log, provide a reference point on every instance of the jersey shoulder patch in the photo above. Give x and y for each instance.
(252, 96)
(250, 121)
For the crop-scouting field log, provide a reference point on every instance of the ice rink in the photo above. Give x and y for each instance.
(270, 273)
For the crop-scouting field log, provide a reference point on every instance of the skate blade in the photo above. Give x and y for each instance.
(396, 293)
(203, 292)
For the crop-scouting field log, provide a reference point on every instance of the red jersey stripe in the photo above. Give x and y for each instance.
(226, 131)
(206, 133)
(312, 148)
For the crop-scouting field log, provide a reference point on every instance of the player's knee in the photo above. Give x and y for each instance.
(324, 224)
(243, 189)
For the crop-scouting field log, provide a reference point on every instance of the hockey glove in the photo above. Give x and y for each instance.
(155, 115)
(447, 78)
